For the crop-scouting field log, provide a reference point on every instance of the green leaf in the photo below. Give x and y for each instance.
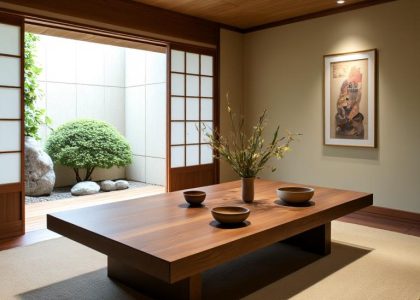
(34, 117)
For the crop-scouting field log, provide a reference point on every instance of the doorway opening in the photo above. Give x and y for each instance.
(189, 84)
(84, 76)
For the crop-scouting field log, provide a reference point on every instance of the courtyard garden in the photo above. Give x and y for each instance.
(85, 118)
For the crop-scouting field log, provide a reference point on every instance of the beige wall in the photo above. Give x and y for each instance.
(231, 77)
(283, 69)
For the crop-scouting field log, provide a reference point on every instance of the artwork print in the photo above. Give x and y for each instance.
(349, 100)
(348, 81)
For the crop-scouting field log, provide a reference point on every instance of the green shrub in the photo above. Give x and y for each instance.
(88, 144)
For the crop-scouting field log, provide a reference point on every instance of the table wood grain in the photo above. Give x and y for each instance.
(164, 238)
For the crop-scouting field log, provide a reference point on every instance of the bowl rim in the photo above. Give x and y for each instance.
(305, 189)
(244, 210)
(194, 193)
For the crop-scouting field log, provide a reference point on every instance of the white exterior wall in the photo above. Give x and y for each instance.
(146, 107)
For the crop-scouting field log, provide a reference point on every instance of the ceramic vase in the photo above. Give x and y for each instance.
(248, 189)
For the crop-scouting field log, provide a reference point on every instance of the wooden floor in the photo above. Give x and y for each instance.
(36, 212)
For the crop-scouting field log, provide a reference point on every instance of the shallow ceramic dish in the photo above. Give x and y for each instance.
(230, 214)
(294, 194)
(194, 198)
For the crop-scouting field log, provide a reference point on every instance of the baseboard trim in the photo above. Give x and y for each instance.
(387, 219)
(401, 215)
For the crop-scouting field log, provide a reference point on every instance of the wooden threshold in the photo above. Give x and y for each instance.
(28, 238)
(376, 217)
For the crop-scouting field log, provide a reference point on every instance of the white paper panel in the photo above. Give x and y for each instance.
(193, 132)
(177, 108)
(178, 61)
(10, 168)
(10, 39)
(206, 65)
(192, 85)
(193, 109)
(193, 63)
(178, 85)
(193, 155)
(206, 109)
(177, 156)
(9, 103)
(206, 154)
(206, 127)
(177, 133)
(9, 136)
(9, 71)
(206, 86)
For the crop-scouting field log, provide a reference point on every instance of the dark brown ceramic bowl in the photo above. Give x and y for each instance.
(230, 214)
(194, 198)
(294, 194)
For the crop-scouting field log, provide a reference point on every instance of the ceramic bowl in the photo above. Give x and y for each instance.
(230, 214)
(294, 194)
(194, 198)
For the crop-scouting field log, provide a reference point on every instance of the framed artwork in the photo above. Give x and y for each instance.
(349, 99)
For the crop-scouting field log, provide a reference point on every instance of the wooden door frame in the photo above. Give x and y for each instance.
(215, 53)
(17, 227)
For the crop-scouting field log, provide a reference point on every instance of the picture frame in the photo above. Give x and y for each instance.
(350, 99)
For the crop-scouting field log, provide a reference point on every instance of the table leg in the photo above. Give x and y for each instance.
(316, 240)
(189, 288)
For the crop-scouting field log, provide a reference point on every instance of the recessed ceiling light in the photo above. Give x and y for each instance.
(341, 1)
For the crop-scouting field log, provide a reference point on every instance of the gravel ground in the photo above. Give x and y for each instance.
(64, 193)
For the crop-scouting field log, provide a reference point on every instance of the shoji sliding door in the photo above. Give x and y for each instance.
(11, 126)
(193, 110)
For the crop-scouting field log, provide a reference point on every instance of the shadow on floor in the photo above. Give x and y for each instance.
(240, 278)
(89, 286)
(273, 264)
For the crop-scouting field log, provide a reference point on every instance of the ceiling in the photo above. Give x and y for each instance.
(246, 14)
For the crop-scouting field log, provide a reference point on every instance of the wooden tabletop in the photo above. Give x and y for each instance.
(161, 236)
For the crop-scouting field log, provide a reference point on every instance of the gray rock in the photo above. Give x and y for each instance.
(39, 169)
(85, 188)
(121, 184)
(108, 186)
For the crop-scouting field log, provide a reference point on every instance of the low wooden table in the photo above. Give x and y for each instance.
(160, 246)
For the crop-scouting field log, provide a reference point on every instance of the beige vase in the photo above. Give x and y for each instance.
(248, 189)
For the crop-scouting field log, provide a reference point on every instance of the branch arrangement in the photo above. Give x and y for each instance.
(248, 154)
